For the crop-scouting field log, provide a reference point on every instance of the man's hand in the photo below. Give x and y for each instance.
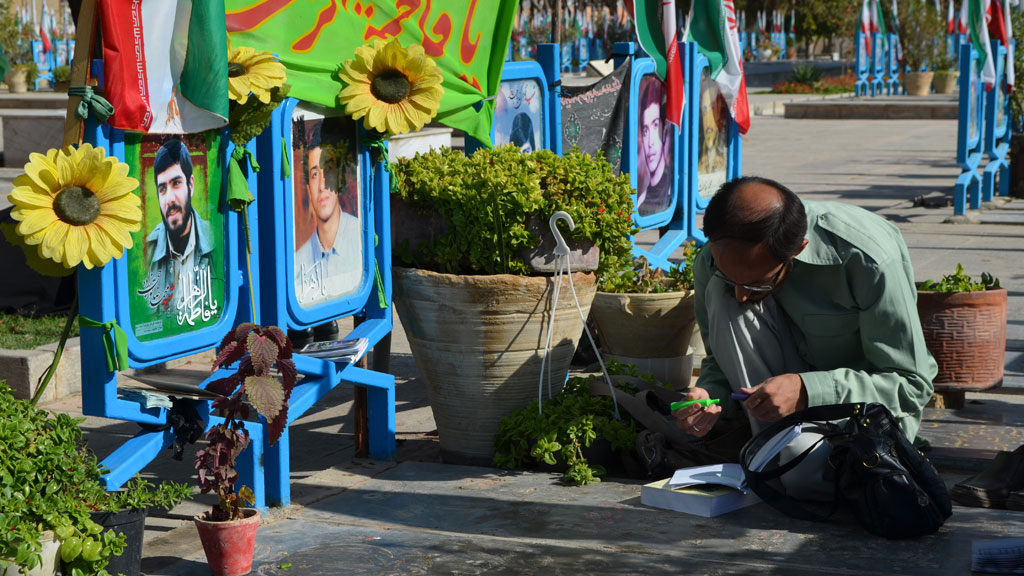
(695, 419)
(776, 397)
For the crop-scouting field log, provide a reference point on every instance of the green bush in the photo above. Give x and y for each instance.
(487, 200)
(958, 281)
(807, 74)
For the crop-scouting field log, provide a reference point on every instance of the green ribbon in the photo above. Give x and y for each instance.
(238, 185)
(115, 344)
(286, 167)
(379, 149)
(377, 280)
(99, 105)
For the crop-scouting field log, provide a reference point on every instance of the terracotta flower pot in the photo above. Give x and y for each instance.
(229, 546)
(966, 333)
(478, 342)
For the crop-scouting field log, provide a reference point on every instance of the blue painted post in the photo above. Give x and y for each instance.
(997, 129)
(969, 148)
(547, 57)
(861, 66)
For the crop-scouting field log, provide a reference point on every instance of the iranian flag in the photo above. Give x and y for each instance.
(950, 19)
(878, 23)
(963, 15)
(865, 29)
(1010, 73)
(979, 14)
(165, 64)
(658, 34)
(713, 27)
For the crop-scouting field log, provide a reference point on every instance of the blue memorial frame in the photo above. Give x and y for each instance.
(969, 151)
(862, 66)
(533, 70)
(374, 309)
(693, 64)
(893, 86)
(998, 130)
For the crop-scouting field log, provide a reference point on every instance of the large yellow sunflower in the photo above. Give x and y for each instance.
(397, 89)
(252, 72)
(76, 205)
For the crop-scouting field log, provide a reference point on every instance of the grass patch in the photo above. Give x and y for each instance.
(19, 332)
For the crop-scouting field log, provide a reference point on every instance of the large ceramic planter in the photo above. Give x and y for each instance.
(131, 523)
(652, 331)
(917, 83)
(48, 565)
(17, 80)
(945, 81)
(966, 333)
(478, 343)
(229, 546)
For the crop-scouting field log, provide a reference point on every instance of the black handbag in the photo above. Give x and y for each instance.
(892, 489)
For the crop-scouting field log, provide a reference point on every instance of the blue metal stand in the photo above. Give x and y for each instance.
(969, 133)
(997, 131)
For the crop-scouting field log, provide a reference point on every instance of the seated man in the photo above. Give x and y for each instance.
(802, 304)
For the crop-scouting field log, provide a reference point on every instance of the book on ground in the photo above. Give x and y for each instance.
(706, 491)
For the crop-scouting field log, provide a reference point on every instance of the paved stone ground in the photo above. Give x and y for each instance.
(417, 515)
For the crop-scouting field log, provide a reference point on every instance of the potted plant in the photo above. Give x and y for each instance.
(474, 310)
(263, 378)
(923, 40)
(16, 43)
(645, 317)
(964, 326)
(946, 74)
(47, 474)
(61, 78)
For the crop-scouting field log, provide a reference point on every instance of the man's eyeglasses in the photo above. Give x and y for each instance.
(762, 288)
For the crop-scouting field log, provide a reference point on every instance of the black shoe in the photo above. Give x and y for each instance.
(326, 331)
(300, 338)
(991, 487)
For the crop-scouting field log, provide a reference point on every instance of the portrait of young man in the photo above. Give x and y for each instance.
(329, 262)
(654, 156)
(180, 280)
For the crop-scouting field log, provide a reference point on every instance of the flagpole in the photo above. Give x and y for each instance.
(85, 29)
(556, 23)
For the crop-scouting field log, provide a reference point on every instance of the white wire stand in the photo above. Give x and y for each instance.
(562, 265)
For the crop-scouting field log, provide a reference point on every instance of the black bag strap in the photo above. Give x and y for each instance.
(758, 481)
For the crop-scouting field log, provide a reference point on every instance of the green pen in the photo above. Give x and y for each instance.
(704, 402)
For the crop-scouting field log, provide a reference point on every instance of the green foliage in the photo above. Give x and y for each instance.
(958, 281)
(487, 200)
(48, 477)
(15, 39)
(640, 278)
(1017, 96)
(570, 422)
(922, 33)
(62, 73)
(807, 74)
(247, 121)
(256, 350)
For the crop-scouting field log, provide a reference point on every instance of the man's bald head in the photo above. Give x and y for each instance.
(756, 211)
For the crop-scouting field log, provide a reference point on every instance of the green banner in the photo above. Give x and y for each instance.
(313, 38)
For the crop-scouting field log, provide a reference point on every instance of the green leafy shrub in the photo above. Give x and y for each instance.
(807, 74)
(959, 281)
(922, 34)
(62, 73)
(486, 201)
(640, 278)
(571, 421)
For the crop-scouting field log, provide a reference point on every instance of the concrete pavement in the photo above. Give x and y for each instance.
(417, 515)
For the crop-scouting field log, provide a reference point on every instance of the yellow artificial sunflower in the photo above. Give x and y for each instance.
(76, 205)
(252, 72)
(397, 89)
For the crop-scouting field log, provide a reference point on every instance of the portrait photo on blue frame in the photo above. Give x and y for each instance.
(519, 115)
(974, 114)
(655, 181)
(712, 137)
(327, 216)
(177, 279)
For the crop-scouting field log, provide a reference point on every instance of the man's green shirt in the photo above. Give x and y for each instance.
(851, 304)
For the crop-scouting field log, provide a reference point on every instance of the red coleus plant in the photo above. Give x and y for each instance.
(258, 351)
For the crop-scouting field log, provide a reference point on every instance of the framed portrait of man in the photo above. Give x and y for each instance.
(975, 102)
(327, 216)
(655, 182)
(712, 138)
(177, 277)
(519, 115)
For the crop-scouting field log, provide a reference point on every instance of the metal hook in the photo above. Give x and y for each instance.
(561, 248)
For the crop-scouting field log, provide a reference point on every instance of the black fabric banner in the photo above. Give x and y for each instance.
(594, 116)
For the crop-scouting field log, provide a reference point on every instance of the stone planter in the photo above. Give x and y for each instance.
(17, 80)
(652, 331)
(918, 83)
(945, 81)
(966, 333)
(478, 344)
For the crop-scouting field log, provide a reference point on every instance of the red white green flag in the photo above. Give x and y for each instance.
(713, 26)
(865, 29)
(979, 14)
(165, 64)
(659, 36)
